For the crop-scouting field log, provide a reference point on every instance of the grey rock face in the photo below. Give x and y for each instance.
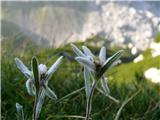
(125, 23)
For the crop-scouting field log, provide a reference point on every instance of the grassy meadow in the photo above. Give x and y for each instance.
(125, 80)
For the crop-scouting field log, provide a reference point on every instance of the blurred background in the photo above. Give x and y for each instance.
(57, 23)
(46, 28)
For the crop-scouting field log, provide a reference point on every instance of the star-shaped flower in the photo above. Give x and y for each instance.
(38, 78)
(95, 65)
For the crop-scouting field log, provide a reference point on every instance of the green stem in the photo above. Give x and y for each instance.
(89, 101)
(34, 108)
(70, 94)
(35, 104)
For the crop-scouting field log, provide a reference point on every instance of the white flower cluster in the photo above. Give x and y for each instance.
(138, 58)
(153, 74)
(155, 49)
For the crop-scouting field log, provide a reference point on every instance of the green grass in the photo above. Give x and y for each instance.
(124, 80)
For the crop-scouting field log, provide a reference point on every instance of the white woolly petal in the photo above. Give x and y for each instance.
(30, 87)
(23, 68)
(42, 68)
(102, 55)
(105, 86)
(77, 51)
(49, 92)
(87, 51)
(54, 67)
(86, 62)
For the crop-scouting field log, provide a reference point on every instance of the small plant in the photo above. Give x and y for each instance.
(37, 84)
(20, 111)
(94, 68)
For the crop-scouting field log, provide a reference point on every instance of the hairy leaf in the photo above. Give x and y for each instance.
(40, 103)
(102, 55)
(105, 86)
(35, 73)
(77, 51)
(20, 111)
(87, 81)
(23, 68)
(86, 62)
(87, 51)
(54, 67)
(109, 62)
(49, 92)
(30, 87)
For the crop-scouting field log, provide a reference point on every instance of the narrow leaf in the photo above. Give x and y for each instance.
(20, 111)
(23, 68)
(105, 86)
(87, 81)
(86, 62)
(49, 92)
(40, 103)
(89, 101)
(77, 51)
(30, 87)
(124, 103)
(35, 73)
(109, 62)
(54, 67)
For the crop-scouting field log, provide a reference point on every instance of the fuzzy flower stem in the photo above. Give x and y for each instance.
(89, 101)
(35, 104)
(34, 108)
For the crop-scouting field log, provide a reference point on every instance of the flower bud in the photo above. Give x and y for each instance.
(42, 68)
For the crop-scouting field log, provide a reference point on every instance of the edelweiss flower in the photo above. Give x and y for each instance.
(38, 77)
(96, 65)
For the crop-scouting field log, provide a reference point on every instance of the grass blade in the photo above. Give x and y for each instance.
(124, 103)
(70, 94)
